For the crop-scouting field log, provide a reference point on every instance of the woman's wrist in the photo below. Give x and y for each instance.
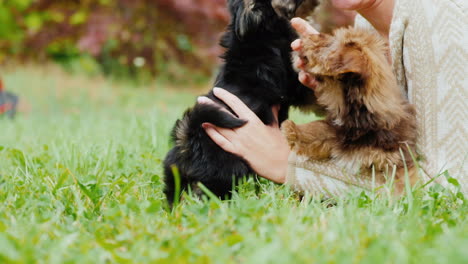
(280, 169)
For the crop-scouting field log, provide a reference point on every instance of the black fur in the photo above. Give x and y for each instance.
(258, 70)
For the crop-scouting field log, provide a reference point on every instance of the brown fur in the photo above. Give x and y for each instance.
(368, 120)
(306, 8)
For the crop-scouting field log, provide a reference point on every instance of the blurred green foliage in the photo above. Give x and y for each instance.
(126, 38)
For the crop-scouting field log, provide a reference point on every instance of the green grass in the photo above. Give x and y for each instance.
(80, 182)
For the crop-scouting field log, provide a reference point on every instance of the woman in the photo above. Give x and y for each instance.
(429, 55)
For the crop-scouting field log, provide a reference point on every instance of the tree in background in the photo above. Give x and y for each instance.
(122, 36)
(131, 38)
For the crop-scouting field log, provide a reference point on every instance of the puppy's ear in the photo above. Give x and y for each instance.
(350, 60)
(247, 17)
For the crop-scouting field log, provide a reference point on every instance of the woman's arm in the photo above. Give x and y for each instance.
(264, 147)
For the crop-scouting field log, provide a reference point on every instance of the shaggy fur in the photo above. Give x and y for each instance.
(368, 120)
(258, 70)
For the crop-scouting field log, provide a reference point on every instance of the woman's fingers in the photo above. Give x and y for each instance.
(296, 45)
(303, 78)
(215, 134)
(298, 63)
(302, 27)
(235, 104)
(307, 80)
(275, 110)
(227, 133)
(206, 100)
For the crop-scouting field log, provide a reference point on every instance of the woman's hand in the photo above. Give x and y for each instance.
(302, 28)
(262, 146)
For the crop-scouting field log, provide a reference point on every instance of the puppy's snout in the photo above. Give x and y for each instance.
(284, 8)
(290, 10)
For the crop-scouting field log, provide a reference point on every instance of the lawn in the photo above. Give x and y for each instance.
(80, 182)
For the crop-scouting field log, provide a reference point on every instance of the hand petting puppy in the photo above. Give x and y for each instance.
(303, 29)
(262, 146)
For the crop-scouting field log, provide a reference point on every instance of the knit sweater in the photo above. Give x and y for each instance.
(429, 49)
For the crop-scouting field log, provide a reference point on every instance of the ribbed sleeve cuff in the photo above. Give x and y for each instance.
(324, 178)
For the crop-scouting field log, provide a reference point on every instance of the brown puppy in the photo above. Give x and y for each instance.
(369, 123)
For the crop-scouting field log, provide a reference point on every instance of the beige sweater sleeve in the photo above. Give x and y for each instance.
(429, 50)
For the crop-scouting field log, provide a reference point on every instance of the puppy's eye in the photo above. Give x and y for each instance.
(354, 45)
(319, 78)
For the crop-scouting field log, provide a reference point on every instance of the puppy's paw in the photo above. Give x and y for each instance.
(289, 130)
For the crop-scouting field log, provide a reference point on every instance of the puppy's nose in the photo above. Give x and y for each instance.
(290, 10)
(284, 8)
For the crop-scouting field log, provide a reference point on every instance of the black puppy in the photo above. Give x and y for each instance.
(258, 70)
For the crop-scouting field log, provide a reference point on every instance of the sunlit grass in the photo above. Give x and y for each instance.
(80, 182)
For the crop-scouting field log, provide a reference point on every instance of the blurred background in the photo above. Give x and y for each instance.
(171, 40)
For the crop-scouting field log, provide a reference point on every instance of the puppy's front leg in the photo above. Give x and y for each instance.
(314, 140)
